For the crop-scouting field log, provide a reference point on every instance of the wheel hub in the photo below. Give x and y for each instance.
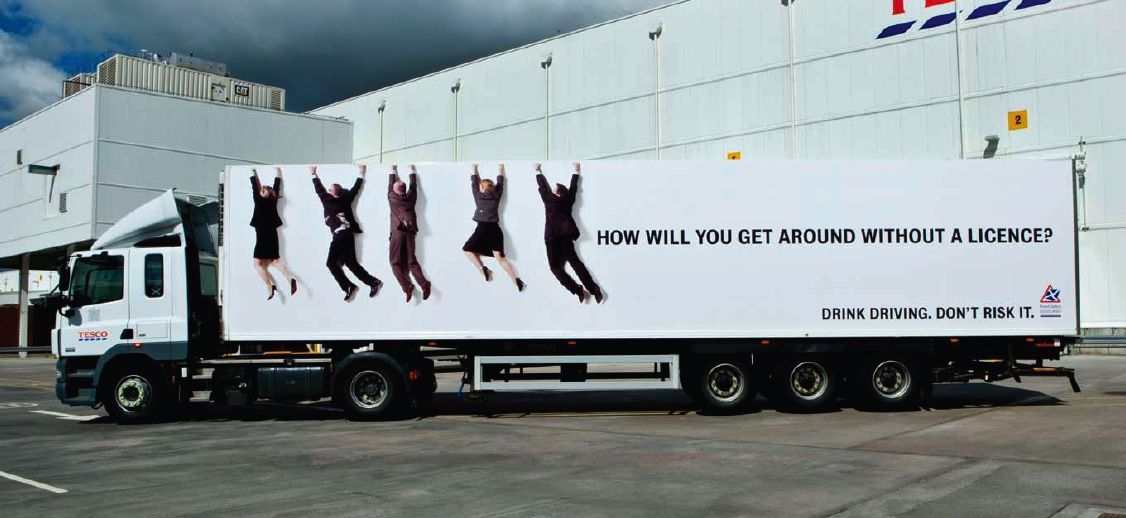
(725, 382)
(809, 380)
(133, 392)
(369, 389)
(891, 379)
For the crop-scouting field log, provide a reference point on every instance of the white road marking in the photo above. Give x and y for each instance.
(4, 406)
(32, 483)
(68, 417)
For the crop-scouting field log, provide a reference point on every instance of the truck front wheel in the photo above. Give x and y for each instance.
(133, 393)
(370, 391)
(722, 386)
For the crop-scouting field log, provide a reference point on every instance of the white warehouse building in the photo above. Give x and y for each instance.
(117, 148)
(73, 169)
(799, 79)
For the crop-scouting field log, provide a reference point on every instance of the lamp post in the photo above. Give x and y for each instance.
(455, 89)
(382, 107)
(655, 37)
(546, 66)
(961, 88)
(790, 15)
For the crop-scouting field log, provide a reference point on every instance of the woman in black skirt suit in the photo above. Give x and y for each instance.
(487, 238)
(266, 222)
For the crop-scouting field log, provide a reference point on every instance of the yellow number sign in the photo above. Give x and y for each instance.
(1018, 120)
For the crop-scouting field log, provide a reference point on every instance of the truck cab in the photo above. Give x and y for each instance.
(144, 297)
(138, 331)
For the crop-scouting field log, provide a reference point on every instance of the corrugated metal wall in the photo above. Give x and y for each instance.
(118, 148)
(148, 75)
(726, 71)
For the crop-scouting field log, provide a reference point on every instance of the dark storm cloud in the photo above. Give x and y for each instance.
(319, 51)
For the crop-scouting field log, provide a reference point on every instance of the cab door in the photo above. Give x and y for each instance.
(151, 294)
(98, 313)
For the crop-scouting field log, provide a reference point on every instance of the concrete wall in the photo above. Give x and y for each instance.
(62, 134)
(119, 148)
(734, 77)
(185, 143)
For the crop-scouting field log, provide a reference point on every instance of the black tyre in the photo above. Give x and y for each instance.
(722, 385)
(889, 383)
(371, 390)
(689, 380)
(804, 384)
(134, 393)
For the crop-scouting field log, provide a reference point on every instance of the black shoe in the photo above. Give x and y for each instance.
(426, 291)
(488, 273)
(520, 284)
(597, 292)
(581, 295)
(410, 294)
(293, 286)
(273, 291)
(350, 292)
(375, 288)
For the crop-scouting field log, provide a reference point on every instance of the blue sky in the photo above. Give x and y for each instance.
(320, 52)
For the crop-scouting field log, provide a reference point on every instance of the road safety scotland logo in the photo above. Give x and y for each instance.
(1050, 304)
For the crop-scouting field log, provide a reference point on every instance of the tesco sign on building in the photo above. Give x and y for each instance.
(939, 19)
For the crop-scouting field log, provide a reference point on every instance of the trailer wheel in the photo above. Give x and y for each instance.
(887, 383)
(133, 393)
(722, 386)
(804, 384)
(370, 391)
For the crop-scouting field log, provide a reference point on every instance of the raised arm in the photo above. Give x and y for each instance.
(392, 178)
(573, 191)
(355, 191)
(317, 185)
(475, 181)
(500, 180)
(255, 184)
(541, 181)
(277, 181)
(413, 180)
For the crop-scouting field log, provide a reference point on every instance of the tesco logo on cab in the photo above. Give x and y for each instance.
(93, 336)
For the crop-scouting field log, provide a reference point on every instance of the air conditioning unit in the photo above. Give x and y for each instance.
(166, 78)
(78, 83)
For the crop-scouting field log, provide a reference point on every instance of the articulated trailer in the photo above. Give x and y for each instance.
(807, 281)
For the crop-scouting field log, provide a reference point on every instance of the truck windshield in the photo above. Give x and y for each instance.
(97, 280)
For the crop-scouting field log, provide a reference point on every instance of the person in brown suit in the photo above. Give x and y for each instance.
(560, 234)
(404, 227)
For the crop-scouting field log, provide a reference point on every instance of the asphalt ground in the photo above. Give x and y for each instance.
(1006, 449)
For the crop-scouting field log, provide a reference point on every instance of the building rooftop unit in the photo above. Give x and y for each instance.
(178, 74)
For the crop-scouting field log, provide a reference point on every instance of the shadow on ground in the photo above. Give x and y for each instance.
(592, 404)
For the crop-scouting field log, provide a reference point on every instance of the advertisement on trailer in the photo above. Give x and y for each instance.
(639, 249)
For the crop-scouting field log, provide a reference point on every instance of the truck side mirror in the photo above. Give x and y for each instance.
(54, 301)
(63, 270)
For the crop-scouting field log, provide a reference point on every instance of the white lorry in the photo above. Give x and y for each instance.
(799, 279)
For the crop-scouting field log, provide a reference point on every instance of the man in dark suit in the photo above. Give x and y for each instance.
(404, 228)
(560, 233)
(337, 203)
